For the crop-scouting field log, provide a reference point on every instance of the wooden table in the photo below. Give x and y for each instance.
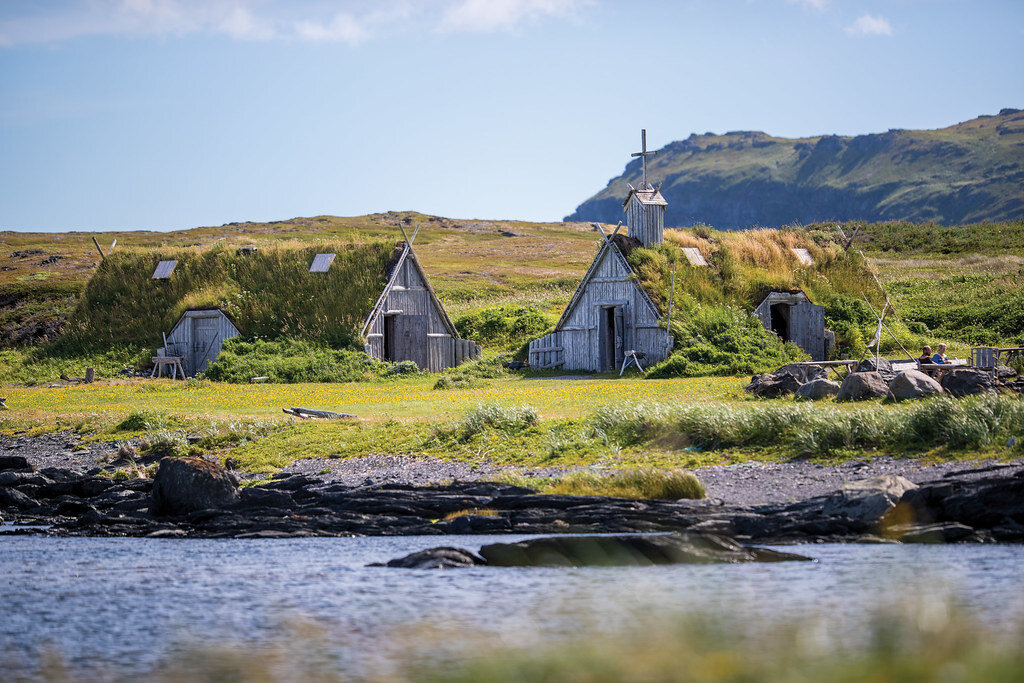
(173, 362)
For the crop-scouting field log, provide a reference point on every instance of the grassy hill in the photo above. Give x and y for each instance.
(950, 283)
(969, 172)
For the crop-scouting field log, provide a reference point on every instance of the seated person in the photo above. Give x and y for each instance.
(926, 356)
(940, 357)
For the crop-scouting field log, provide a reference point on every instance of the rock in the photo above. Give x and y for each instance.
(961, 382)
(946, 532)
(184, 485)
(13, 499)
(614, 551)
(863, 385)
(435, 558)
(804, 373)
(773, 385)
(16, 463)
(881, 365)
(868, 499)
(817, 390)
(1005, 372)
(913, 384)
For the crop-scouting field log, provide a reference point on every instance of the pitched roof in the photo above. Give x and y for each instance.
(616, 254)
(409, 255)
(650, 197)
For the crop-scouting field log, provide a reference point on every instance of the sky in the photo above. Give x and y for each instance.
(171, 114)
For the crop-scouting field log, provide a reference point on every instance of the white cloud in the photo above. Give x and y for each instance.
(816, 5)
(336, 21)
(488, 16)
(343, 28)
(868, 25)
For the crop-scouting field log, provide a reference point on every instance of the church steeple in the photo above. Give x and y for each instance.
(644, 206)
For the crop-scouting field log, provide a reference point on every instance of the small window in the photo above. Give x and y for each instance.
(321, 263)
(164, 269)
(802, 255)
(694, 256)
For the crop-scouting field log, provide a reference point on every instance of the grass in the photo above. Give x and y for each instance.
(636, 482)
(678, 424)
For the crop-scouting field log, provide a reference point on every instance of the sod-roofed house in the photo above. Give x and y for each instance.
(611, 315)
(792, 316)
(372, 296)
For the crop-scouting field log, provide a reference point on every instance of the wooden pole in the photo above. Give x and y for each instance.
(94, 241)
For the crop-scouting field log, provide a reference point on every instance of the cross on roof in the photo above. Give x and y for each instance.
(643, 154)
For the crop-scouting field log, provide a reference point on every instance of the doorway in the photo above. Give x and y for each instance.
(780, 321)
(611, 338)
(388, 343)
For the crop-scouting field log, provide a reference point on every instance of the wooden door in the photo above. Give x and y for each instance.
(807, 328)
(410, 339)
(205, 343)
(620, 337)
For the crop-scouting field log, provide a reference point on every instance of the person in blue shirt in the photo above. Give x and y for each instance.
(940, 357)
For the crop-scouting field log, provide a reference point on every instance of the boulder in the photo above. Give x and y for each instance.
(435, 558)
(881, 365)
(863, 385)
(868, 499)
(184, 485)
(945, 532)
(817, 390)
(804, 373)
(967, 381)
(614, 551)
(16, 463)
(1005, 372)
(913, 384)
(773, 386)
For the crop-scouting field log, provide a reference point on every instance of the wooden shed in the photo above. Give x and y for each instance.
(198, 336)
(609, 315)
(408, 321)
(792, 316)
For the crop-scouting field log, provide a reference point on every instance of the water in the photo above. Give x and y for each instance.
(130, 602)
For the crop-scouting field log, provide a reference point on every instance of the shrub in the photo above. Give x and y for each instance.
(505, 327)
(290, 361)
(509, 419)
(641, 483)
(718, 340)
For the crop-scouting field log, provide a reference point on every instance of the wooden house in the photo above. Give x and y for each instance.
(792, 316)
(197, 338)
(610, 314)
(408, 321)
(375, 292)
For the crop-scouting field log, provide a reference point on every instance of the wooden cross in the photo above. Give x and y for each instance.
(643, 154)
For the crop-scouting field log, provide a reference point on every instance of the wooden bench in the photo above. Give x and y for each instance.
(171, 362)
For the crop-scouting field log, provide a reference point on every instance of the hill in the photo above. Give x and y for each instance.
(969, 172)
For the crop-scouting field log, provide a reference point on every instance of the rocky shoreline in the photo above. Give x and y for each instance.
(192, 497)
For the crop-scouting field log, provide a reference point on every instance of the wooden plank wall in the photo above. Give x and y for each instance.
(410, 296)
(547, 352)
(179, 340)
(646, 223)
(578, 336)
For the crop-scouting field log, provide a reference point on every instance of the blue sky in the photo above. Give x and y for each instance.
(167, 114)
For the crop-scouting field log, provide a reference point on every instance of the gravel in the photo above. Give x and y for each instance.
(750, 483)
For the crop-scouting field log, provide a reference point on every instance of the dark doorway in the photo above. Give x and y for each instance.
(780, 321)
(611, 337)
(388, 350)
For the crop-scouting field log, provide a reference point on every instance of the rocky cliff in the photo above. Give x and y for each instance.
(969, 172)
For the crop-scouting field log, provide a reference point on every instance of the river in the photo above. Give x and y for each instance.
(125, 604)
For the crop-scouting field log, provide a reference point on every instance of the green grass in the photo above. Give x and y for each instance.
(682, 424)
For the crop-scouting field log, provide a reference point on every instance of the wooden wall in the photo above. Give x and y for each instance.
(646, 222)
(198, 337)
(576, 343)
(806, 321)
(420, 334)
